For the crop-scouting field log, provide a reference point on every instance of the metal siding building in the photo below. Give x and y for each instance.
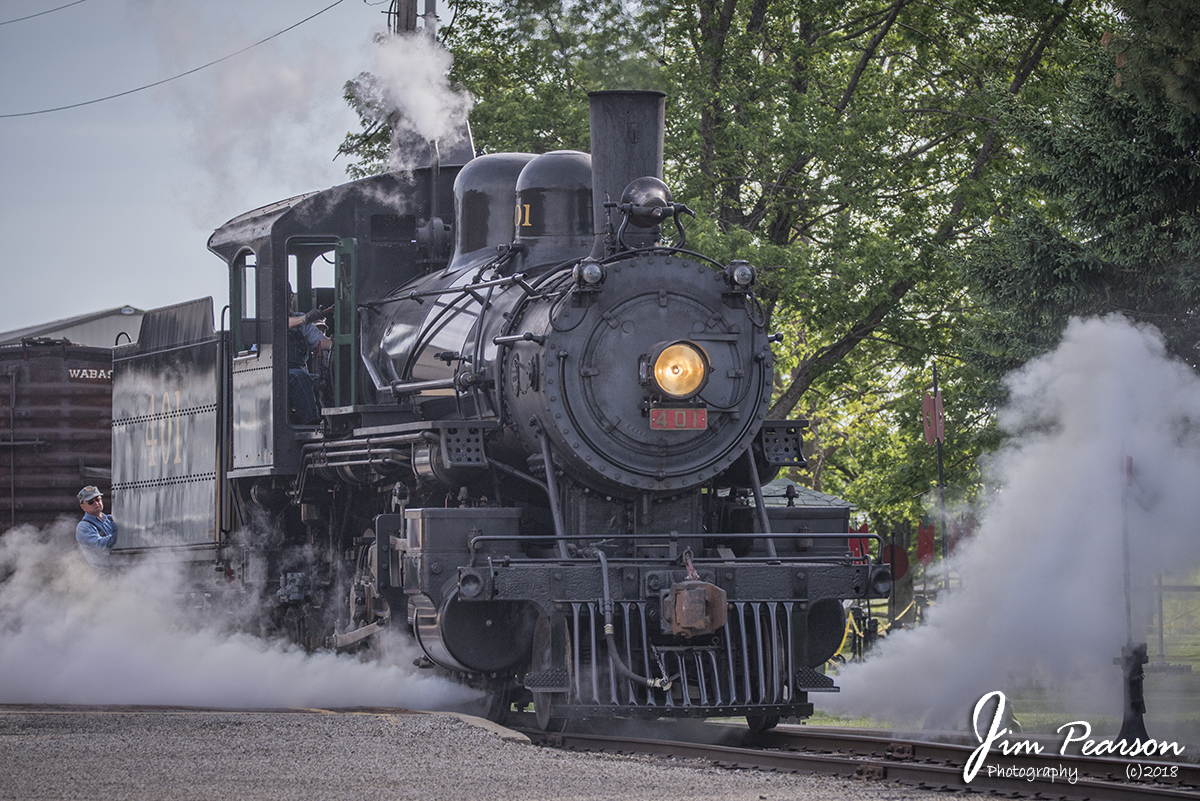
(99, 329)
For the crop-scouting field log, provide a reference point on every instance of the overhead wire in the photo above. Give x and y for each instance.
(41, 13)
(174, 77)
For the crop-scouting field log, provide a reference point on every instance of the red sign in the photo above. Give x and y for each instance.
(925, 543)
(858, 545)
(686, 419)
(895, 556)
(934, 417)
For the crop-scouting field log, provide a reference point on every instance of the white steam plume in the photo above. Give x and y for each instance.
(1042, 580)
(408, 81)
(267, 124)
(71, 634)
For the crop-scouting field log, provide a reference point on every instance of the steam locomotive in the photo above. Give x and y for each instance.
(541, 446)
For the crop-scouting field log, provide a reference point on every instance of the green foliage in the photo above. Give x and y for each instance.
(531, 63)
(1109, 222)
(1158, 53)
(851, 150)
(371, 146)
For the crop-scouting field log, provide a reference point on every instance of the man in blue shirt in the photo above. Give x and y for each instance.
(97, 532)
(303, 338)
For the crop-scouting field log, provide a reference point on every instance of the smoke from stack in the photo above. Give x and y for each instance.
(408, 87)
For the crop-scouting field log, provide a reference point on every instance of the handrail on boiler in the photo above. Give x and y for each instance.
(674, 537)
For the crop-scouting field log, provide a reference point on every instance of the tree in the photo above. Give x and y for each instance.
(1110, 219)
(529, 64)
(1159, 53)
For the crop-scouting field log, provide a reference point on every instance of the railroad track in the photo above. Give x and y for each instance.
(885, 756)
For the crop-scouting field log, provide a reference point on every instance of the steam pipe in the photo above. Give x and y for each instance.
(552, 491)
(610, 636)
(503, 468)
(463, 289)
(760, 504)
(414, 438)
(413, 387)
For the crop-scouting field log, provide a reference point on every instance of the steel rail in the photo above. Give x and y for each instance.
(928, 765)
(908, 746)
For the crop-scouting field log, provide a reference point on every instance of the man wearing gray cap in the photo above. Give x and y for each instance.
(97, 532)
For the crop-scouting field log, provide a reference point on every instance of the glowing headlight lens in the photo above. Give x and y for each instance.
(681, 369)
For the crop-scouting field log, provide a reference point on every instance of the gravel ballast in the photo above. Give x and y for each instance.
(186, 754)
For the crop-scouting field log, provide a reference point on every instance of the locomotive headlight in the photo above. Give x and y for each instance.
(740, 274)
(588, 273)
(881, 581)
(681, 369)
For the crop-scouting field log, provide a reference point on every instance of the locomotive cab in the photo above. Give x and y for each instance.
(336, 250)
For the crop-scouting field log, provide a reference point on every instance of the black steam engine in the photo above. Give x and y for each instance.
(541, 446)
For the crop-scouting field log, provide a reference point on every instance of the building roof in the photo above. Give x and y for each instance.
(775, 494)
(94, 326)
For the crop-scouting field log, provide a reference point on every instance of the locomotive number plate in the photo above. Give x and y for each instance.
(687, 419)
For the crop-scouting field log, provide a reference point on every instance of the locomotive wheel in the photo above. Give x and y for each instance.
(294, 628)
(543, 705)
(760, 723)
(497, 704)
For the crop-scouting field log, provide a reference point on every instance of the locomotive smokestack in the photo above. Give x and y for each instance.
(627, 143)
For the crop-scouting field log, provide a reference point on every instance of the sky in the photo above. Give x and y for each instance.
(112, 204)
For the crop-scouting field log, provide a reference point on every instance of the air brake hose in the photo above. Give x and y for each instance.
(610, 637)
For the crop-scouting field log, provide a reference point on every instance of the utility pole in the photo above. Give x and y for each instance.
(431, 21)
(402, 17)
(1133, 655)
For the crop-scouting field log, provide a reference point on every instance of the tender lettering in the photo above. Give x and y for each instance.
(162, 430)
(89, 373)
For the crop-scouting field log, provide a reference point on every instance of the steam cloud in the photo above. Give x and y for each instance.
(272, 117)
(71, 634)
(408, 77)
(266, 124)
(1042, 580)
